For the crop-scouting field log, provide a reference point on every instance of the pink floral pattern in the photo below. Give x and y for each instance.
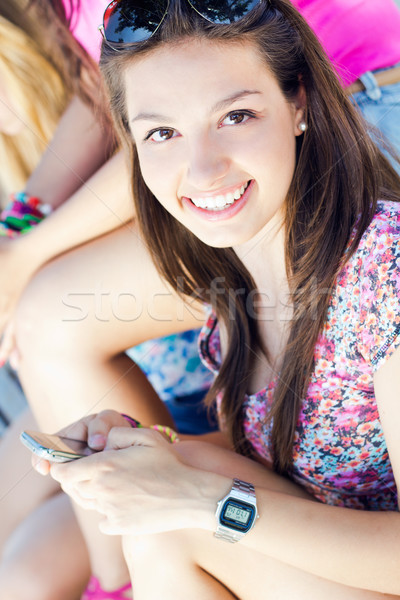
(340, 454)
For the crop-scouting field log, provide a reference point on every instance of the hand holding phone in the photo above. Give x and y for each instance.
(55, 448)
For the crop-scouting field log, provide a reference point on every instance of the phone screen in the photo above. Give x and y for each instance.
(54, 447)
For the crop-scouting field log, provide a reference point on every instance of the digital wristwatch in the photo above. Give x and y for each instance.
(237, 512)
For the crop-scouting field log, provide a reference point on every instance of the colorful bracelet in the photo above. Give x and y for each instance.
(22, 214)
(167, 431)
(170, 433)
(132, 422)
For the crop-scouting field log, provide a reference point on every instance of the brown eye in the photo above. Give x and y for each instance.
(165, 134)
(161, 135)
(236, 118)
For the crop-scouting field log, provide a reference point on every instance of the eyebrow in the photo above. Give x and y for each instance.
(143, 116)
(231, 99)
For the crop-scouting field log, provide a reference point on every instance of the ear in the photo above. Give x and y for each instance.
(300, 108)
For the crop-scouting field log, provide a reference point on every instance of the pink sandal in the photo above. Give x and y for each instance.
(94, 591)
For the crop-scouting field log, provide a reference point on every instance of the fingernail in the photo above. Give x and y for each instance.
(97, 441)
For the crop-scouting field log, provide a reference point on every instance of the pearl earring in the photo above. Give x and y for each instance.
(303, 126)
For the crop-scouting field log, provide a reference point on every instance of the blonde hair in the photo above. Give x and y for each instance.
(39, 97)
(41, 67)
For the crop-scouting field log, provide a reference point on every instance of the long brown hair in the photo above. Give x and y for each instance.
(339, 176)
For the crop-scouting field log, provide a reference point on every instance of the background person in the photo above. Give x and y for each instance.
(363, 43)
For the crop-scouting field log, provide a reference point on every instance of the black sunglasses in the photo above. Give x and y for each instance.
(130, 21)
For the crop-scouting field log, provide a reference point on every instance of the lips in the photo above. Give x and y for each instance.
(221, 201)
(229, 206)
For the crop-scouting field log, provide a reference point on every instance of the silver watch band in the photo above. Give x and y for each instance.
(241, 490)
(223, 533)
(247, 489)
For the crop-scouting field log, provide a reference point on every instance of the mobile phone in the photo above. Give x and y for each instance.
(53, 447)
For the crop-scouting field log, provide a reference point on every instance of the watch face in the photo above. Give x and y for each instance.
(237, 515)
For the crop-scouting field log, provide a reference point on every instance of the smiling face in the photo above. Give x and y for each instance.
(215, 137)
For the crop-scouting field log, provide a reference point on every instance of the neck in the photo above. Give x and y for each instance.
(264, 256)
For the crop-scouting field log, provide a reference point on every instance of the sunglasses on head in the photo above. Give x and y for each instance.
(130, 21)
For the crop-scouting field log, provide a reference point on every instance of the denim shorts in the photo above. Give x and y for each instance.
(380, 106)
(190, 414)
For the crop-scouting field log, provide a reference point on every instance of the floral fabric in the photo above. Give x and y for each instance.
(340, 454)
(172, 364)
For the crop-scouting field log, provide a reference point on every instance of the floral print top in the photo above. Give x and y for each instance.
(340, 454)
(172, 364)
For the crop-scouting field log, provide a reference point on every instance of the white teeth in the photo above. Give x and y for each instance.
(219, 202)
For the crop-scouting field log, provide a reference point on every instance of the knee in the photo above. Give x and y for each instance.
(19, 580)
(44, 324)
(164, 553)
(24, 575)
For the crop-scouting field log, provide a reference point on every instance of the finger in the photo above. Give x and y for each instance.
(40, 465)
(120, 437)
(84, 500)
(7, 343)
(99, 428)
(77, 430)
(109, 529)
(71, 473)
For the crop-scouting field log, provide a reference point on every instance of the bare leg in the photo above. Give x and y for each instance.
(75, 321)
(46, 557)
(22, 490)
(192, 563)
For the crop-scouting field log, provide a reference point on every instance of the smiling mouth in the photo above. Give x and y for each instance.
(218, 203)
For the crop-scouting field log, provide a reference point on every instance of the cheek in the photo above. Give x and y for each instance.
(276, 155)
(159, 173)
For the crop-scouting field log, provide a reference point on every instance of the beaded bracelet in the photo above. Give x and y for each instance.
(167, 431)
(22, 214)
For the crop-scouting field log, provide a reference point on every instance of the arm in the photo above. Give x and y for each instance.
(356, 548)
(101, 205)
(80, 145)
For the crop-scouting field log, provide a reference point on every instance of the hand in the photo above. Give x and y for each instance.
(140, 485)
(92, 429)
(17, 265)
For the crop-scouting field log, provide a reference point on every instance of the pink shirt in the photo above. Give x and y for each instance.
(84, 24)
(358, 35)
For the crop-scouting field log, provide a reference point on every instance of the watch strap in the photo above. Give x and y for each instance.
(241, 490)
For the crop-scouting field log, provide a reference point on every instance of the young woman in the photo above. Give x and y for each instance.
(257, 189)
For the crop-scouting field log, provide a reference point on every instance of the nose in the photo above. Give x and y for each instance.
(207, 163)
